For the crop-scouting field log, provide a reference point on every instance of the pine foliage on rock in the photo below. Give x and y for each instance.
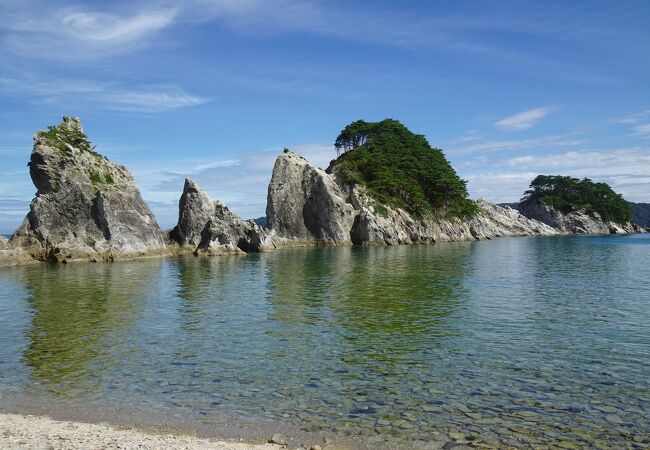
(400, 169)
(568, 194)
(65, 137)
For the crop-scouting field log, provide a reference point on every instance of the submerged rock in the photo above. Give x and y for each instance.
(278, 439)
(86, 208)
(208, 226)
(577, 222)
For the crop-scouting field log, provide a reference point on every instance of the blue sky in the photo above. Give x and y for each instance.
(214, 89)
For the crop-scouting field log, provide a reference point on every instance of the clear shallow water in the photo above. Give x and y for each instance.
(531, 341)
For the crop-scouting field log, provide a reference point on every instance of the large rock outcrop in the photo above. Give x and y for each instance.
(305, 205)
(86, 208)
(576, 222)
(208, 226)
(383, 225)
(309, 206)
(194, 212)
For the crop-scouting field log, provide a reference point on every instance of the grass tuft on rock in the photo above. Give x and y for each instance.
(62, 137)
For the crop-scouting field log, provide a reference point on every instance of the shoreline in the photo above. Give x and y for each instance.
(42, 422)
(41, 432)
(18, 258)
(37, 419)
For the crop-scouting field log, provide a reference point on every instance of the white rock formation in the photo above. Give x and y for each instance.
(308, 206)
(305, 205)
(86, 208)
(208, 226)
(576, 222)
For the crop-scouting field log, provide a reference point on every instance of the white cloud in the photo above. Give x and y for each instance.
(77, 34)
(499, 186)
(102, 28)
(635, 158)
(76, 93)
(148, 99)
(560, 140)
(627, 170)
(642, 130)
(634, 118)
(468, 136)
(640, 123)
(523, 120)
(214, 165)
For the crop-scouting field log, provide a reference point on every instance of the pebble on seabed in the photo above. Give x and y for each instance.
(278, 439)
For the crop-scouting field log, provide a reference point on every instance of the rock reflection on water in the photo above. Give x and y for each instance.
(80, 314)
(521, 342)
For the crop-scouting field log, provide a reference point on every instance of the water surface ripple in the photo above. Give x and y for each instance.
(522, 342)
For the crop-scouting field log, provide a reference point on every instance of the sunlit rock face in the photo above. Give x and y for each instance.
(306, 205)
(208, 226)
(86, 208)
(577, 222)
(309, 206)
(194, 212)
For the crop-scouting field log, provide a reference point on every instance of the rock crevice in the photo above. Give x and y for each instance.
(305, 204)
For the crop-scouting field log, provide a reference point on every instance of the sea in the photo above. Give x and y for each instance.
(514, 342)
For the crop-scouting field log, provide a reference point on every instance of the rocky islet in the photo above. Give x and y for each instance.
(86, 208)
(89, 209)
(208, 226)
(576, 222)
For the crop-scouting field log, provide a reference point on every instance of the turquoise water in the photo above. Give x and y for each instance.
(522, 342)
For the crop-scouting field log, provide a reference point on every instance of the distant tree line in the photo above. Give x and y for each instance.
(569, 194)
(641, 214)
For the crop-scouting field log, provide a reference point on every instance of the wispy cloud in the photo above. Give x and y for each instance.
(74, 33)
(523, 120)
(70, 92)
(627, 170)
(241, 182)
(642, 130)
(103, 28)
(149, 99)
(499, 186)
(468, 136)
(491, 146)
(501, 170)
(478, 33)
(634, 158)
(639, 122)
(635, 118)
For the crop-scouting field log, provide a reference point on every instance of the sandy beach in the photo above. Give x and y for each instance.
(33, 432)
